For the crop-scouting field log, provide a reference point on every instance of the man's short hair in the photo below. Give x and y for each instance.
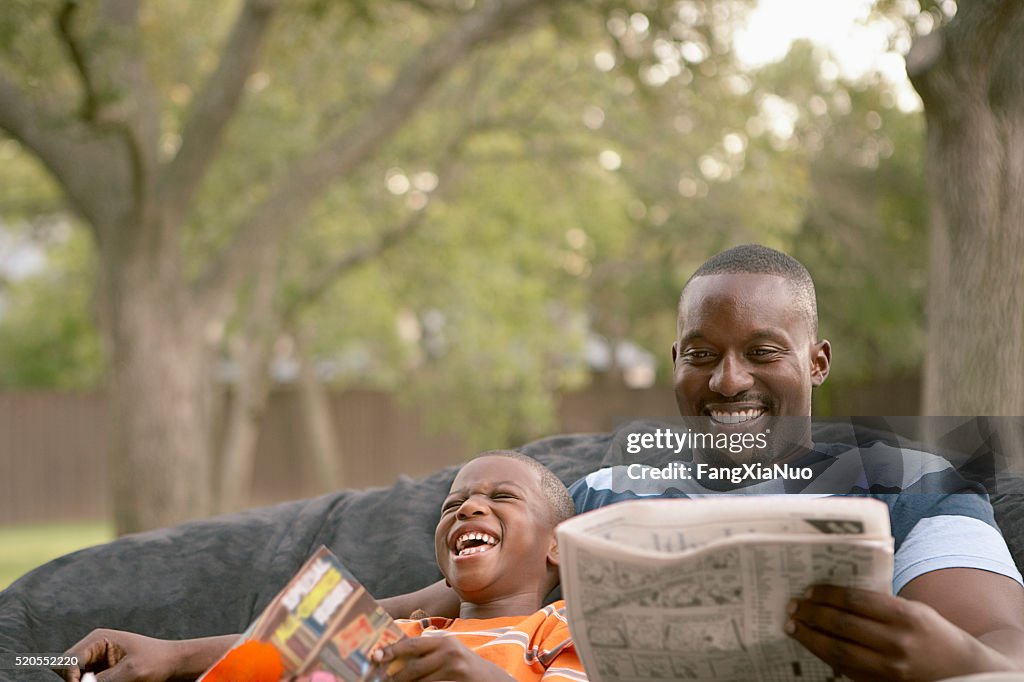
(754, 259)
(559, 500)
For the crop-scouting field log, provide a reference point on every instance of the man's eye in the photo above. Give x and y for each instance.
(450, 506)
(503, 496)
(697, 355)
(763, 352)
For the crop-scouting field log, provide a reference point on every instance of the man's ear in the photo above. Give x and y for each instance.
(821, 360)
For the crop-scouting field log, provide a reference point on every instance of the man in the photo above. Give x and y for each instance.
(746, 359)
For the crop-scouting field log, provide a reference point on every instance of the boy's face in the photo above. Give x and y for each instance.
(496, 536)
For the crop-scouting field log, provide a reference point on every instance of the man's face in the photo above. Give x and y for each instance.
(495, 537)
(745, 353)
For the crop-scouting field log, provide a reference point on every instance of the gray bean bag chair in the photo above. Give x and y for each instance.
(214, 576)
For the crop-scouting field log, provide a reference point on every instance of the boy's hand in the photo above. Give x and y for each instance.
(123, 656)
(872, 636)
(438, 658)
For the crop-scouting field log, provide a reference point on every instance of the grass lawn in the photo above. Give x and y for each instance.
(22, 548)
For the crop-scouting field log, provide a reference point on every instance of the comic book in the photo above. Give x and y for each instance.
(322, 627)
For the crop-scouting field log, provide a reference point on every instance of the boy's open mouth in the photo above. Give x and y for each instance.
(473, 542)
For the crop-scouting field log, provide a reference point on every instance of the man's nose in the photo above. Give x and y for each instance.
(730, 377)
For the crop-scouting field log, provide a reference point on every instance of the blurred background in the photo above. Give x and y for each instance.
(255, 251)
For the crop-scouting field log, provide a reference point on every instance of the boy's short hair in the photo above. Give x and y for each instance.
(559, 500)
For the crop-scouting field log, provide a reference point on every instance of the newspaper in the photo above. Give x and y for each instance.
(323, 625)
(696, 589)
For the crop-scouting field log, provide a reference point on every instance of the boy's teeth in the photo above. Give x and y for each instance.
(474, 550)
(460, 543)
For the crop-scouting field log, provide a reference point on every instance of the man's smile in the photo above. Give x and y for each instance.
(734, 414)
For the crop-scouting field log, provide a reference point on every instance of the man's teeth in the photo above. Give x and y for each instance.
(461, 543)
(735, 417)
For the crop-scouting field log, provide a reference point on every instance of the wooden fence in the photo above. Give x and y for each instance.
(52, 445)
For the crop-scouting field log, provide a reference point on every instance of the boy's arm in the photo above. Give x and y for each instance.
(437, 600)
(128, 656)
(945, 623)
(131, 656)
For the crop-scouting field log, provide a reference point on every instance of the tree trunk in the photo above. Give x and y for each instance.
(160, 407)
(251, 393)
(969, 76)
(319, 421)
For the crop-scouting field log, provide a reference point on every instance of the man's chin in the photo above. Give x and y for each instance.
(718, 458)
(764, 439)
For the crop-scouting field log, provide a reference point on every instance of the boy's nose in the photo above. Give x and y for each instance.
(471, 507)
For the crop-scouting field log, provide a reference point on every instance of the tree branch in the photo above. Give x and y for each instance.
(69, 154)
(20, 117)
(110, 148)
(90, 99)
(925, 52)
(959, 61)
(352, 259)
(214, 106)
(1005, 89)
(310, 176)
(127, 103)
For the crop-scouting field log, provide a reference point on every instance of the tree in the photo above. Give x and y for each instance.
(135, 188)
(969, 74)
(565, 214)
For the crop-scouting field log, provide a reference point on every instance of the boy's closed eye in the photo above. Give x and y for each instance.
(451, 505)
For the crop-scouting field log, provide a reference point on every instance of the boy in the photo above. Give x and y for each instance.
(495, 545)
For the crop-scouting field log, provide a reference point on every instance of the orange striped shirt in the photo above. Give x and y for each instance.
(529, 648)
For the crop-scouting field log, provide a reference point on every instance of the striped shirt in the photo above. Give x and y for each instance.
(938, 519)
(534, 647)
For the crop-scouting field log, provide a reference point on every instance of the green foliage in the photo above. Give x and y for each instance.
(27, 191)
(535, 236)
(864, 229)
(47, 335)
(25, 547)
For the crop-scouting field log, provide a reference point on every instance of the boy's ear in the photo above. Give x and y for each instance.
(553, 551)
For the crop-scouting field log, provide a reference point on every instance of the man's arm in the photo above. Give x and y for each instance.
(947, 622)
(987, 605)
(437, 600)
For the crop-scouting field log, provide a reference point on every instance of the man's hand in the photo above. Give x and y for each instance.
(437, 600)
(874, 636)
(438, 658)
